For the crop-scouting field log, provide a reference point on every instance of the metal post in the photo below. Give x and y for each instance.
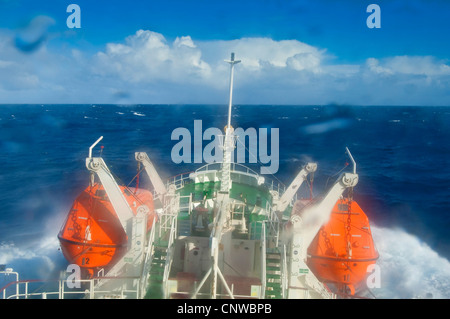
(201, 283)
(232, 63)
(93, 145)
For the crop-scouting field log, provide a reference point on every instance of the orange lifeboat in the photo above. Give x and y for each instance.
(343, 248)
(92, 235)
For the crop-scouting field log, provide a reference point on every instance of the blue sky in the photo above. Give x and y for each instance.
(293, 52)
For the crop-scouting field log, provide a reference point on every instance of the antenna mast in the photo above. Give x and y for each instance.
(232, 62)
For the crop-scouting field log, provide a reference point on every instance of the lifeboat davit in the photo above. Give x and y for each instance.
(343, 248)
(92, 236)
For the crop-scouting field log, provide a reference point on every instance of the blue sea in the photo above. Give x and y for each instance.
(402, 155)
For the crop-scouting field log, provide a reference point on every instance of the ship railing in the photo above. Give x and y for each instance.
(263, 261)
(240, 168)
(284, 272)
(171, 209)
(185, 203)
(148, 259)
(237, 210)
(233, 166)
(178, 180)
(207, 295)
(169, 256)
(181, 179)
(273, 225)
(30, 289)
(257, 292)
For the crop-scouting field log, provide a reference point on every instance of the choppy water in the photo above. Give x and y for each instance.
(402, 153)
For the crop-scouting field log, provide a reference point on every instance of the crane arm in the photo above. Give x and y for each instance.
(295, 185)
(155, 179)
(308, 220)
(115, 195)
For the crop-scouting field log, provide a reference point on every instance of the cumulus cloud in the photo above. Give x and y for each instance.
(148, 68)
(413, 65)
(147, 56)
(256, 53)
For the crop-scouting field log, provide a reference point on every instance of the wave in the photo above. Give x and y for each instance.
(409, 268)
(39, 262)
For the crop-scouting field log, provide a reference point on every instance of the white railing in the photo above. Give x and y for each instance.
(284, 272)
(188, 206)
(170, 210)
(274, 224)
(148, 259)
(207, 295)
(169, 256)
(178, 180)
(86, 289)
(234, 167)
(263, 261)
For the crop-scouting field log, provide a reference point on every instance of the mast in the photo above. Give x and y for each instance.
(232, 62)
(228, 143)
(222, 206)
(223, 196)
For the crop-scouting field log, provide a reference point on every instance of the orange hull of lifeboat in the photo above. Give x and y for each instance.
(343, 248)
(92, 236)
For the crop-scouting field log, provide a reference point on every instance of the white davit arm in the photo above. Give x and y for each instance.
(295, 185)
(345, 181)
(309, 220)
(115, 195)
(155, 179)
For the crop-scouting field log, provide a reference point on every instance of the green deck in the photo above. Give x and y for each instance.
(243, 189)
(252, 195)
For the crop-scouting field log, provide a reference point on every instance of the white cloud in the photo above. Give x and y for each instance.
(374, 66)
(256, 53)
(414, 65)
(147, 57)
(147, 68)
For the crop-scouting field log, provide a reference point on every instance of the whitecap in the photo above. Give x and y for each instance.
(36, 262)
(409, 268)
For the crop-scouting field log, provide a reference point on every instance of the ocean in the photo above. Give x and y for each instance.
(402, 156)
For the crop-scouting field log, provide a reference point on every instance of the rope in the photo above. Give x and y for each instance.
(126, 187)
(337, 173)
(137, 177)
